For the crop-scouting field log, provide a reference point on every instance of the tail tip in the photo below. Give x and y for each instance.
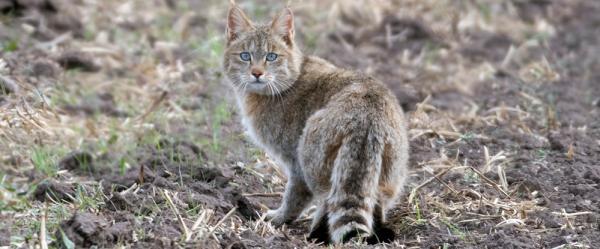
(320, 235)
(350, 231)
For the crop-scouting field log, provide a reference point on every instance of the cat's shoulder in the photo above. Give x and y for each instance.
(314, 64)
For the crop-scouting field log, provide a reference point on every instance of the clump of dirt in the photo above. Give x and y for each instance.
(45, 68)
(96, 104)
(530, 10)
(7, 86)
(86, 230)
(54, 190)
(485, 46)
(10, 6)
(50, 17)
(31, 67)
(80, 161)
(70, 60)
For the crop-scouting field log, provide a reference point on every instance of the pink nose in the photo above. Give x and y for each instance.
(257, 73)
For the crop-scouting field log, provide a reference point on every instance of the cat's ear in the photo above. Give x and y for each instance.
(237, 22)
(283, 25)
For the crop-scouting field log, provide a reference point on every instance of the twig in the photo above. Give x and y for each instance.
(126, 191)
(388, 36)
(43, 242)
(571, 245)
(445, 184)
(571, 152)
(414, 191)
(154, 105)
(511, 222)
(57, 41)
(508, 57)
(141, 175)
(567, 215)
(502, 177)
(212, 230)
(488, 180)
(510, 109)
(477, 220)
(564, 213)
(203, 217)
(186, 231)
(276, 194)
(572, 214)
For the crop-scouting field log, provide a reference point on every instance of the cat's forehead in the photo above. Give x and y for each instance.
(259, 39)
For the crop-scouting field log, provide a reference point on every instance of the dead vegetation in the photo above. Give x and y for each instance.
(117, 129)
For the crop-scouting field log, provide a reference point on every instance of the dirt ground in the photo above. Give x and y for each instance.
(117, 128)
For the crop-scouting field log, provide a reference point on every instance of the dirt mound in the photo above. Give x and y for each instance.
(7, 86)
(144, 188)
(77, 60)
(96, 104)
(85, 230)
(50, 17)
(55, 191)
(78, 160)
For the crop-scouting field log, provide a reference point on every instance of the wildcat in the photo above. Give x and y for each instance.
(340, 136)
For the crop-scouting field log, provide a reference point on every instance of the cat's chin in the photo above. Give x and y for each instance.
(261, 88)
(256, 88)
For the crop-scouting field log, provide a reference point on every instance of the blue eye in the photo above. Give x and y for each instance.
(271, 56)
(245, 56)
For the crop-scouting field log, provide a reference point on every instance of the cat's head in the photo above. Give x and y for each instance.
(261, 58)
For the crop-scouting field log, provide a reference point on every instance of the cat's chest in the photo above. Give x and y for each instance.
(267, 126)
(280, 144)
(274, 124)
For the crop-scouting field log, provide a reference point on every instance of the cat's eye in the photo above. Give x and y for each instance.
(271, 57)
(245, 56)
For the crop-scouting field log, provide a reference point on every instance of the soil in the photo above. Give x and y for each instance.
(554, 150)
(77, 60)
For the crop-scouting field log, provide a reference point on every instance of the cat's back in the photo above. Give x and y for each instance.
(322, 82)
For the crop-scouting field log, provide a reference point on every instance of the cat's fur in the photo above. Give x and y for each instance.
(339, 135)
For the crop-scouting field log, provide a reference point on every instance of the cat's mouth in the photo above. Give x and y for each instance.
(256, 86)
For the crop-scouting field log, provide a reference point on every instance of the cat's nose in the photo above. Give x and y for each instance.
(257, 73)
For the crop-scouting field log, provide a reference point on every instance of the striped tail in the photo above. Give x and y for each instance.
(354, 185)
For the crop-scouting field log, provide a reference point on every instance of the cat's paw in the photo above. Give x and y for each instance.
(276, 217)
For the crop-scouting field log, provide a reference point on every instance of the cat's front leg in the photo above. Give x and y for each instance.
(296, 197)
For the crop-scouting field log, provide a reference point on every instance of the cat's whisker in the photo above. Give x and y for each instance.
(271, 89)
(238, 87)
(244, 86)
(278, 91)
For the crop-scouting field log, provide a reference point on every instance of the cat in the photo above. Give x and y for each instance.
(340, 136)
